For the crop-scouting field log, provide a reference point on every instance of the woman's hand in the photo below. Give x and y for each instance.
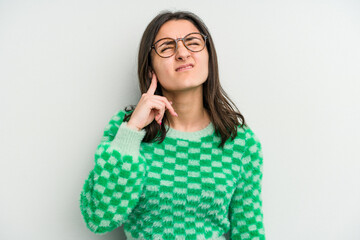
(150, 107)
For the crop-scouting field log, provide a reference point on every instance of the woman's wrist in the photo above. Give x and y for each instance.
(127, 140)
(132, 126)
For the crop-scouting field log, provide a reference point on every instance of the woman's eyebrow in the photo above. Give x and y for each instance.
(192, 37)
(167, 42)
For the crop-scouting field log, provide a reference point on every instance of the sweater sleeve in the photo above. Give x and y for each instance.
(245, 211)
(114, 186)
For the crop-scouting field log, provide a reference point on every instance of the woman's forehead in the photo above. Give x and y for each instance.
(175, 29)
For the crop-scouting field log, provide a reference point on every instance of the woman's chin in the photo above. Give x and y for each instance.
(182, 88)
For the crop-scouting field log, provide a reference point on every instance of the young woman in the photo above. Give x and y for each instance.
(182, 164)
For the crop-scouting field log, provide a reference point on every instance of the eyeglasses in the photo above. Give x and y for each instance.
(166, 47)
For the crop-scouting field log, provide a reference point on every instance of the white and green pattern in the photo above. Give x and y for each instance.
(183, 188)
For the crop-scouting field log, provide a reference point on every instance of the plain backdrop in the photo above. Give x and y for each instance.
(291, 67)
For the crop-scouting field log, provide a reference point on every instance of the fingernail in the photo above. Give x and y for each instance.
(176, 114)
(170, 102)
(160, 123)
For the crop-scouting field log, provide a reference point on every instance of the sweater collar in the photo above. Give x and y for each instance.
(197, 135)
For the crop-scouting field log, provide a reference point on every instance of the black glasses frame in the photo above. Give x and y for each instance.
(176, 43)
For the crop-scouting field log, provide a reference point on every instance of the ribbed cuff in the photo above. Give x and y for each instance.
(127, 140)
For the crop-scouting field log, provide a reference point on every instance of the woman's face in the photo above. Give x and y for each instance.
(167, 70)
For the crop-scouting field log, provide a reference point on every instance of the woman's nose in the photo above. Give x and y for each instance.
(182, 52)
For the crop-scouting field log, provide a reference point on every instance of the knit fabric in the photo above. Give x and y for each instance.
(183, 188)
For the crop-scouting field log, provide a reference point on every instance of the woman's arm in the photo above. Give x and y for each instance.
(245, 212)
(114, 186)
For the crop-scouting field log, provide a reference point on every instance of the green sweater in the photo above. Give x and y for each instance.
(183, 188)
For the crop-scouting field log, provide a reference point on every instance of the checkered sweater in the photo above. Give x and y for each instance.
(183, 188)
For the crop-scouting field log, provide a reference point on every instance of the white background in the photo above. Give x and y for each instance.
(292, 68)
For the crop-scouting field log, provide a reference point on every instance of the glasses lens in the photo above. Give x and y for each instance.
(195, 42)
(165, 47)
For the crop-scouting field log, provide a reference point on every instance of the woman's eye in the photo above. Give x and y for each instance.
(165, 49)
(193, 41)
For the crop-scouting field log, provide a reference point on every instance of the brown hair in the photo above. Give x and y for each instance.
(223, 112)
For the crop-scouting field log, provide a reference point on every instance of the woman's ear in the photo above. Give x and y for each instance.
(150, 72)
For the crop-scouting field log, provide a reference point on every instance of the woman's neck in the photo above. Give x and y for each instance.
(192, 116)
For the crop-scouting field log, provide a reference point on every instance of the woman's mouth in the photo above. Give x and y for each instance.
(184, 67)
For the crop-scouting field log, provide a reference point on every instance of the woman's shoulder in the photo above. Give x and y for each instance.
(247, 142)
(246, 136)
(116, 119)
(119, 115)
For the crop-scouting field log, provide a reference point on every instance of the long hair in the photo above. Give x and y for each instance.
(223, 113)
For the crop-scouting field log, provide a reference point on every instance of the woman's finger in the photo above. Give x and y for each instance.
(153, 85)
(160, 115)
(159, 108)
(167, 103)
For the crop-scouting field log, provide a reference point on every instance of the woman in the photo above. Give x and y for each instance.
(179, 165)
